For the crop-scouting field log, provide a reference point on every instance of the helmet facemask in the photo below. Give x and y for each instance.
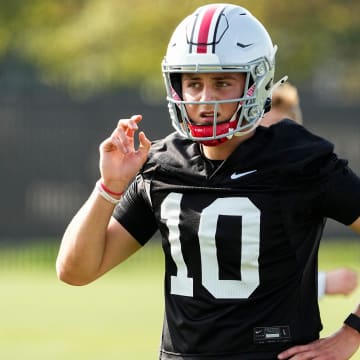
(248, 113)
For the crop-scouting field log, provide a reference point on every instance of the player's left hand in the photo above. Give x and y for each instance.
(339, 346)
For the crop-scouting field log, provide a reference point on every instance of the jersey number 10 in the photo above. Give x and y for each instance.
(249, 214)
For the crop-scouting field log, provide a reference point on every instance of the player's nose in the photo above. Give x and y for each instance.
(207, 94)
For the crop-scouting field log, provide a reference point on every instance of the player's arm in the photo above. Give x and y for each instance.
(93, 242)
(339, 346)
(356, 225)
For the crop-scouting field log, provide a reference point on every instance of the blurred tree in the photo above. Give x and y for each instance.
(95, 45)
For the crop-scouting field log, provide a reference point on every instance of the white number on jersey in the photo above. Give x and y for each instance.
(249, 214)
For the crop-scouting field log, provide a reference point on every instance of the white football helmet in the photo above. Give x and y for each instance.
(220, 38)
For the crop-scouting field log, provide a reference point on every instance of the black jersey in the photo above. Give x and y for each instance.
(240, 239)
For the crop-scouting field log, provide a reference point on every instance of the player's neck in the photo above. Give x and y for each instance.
(224, 150)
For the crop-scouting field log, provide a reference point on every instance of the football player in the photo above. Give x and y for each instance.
(241, 208)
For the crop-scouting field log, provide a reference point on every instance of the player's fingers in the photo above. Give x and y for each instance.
(136, 118)
(116, 141)
(301, 352)
(122, 138)
(124, 133)
(129, 126)
(123, 142)
(144, 144)
(108, 145)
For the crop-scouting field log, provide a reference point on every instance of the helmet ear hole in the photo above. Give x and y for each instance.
(175, 80)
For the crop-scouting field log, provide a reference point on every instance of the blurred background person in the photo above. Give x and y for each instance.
(285, 104)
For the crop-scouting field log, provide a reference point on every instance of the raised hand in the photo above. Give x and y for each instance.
(119, 160)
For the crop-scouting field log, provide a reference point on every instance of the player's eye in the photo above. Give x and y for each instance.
(193, 84)
(223, 83)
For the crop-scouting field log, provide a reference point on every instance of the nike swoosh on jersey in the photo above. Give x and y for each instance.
(235, 176)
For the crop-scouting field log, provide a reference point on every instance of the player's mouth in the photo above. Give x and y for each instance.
(208, 117)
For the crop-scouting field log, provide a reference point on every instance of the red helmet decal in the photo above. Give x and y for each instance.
(207, 30)
(204, 30)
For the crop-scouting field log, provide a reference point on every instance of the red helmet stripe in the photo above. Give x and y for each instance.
(204, 29)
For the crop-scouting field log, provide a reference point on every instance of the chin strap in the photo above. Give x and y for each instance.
(255, 124)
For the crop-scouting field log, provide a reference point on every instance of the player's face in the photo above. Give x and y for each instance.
(210, 87)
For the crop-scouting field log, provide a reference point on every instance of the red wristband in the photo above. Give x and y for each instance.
(109, 191)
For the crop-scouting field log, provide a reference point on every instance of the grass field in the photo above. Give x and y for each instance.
(117, 317)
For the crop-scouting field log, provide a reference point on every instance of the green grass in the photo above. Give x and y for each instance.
(334, 309)
(43, 319)
(117, 317)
